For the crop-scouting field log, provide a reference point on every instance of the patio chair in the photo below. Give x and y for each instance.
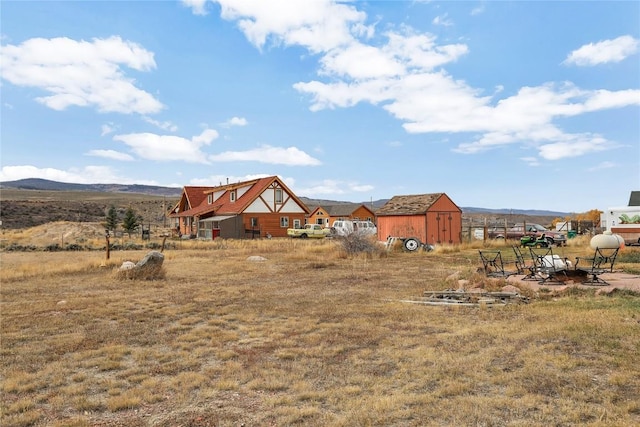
(549, 267)
(493, 265)
(529, 270)
(601, 262)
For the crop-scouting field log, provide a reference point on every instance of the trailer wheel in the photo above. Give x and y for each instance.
(411, 244)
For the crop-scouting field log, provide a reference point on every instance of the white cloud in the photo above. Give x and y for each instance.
(577, 146)
(199, 7)
(603, 52)
(168, 126)
(477, 10)
(235, 121)
(531, 161)
(442, 20)
(290, 156)
(602, 166)
(318, 25)
(86, 175)
(110, 154)
(168, 147)
(107, 129)
(81, 73)
(405, 76)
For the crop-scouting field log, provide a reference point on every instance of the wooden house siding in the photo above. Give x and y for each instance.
(269, 224)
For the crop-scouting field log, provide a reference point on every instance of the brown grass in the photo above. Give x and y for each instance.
(310, 336)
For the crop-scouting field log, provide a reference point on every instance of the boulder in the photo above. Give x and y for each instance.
(152, 260)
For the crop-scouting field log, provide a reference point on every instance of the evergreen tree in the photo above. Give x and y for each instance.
(131, 221)
(111, 221)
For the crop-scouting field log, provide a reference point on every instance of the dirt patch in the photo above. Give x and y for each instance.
(616, 280)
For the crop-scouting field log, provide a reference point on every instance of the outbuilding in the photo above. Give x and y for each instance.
(432, 218)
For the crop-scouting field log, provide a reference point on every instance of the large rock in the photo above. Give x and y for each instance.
(152, 260)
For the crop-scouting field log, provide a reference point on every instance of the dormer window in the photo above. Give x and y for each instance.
(232, 195)
(210, 198)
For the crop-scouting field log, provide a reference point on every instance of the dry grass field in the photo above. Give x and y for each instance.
(308, 336)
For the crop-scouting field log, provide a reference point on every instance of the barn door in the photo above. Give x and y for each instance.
(444, 220)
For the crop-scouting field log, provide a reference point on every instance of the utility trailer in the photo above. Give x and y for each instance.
(409, 244)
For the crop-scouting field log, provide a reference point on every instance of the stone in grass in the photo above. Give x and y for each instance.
(148, 268)
(256, 258)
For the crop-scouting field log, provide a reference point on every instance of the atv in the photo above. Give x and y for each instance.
(531, 241)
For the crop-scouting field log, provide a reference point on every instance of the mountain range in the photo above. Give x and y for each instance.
(48, 185)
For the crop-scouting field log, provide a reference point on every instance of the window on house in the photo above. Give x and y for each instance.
(232, 195)
(284, 221)
(319, 221)
(254, 222)
(278, 195)
(296, 223)
(210, 198)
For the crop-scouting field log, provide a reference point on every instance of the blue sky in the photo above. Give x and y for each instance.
(522, 105)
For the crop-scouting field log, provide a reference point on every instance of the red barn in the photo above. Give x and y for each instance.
(432, 218)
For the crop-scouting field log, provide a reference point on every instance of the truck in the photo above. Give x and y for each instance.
(309, 231)
(623, 221)
(536, 231)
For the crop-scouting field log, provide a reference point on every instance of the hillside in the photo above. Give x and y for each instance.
(32, 202)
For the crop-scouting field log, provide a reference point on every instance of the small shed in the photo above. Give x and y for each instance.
(432, 218)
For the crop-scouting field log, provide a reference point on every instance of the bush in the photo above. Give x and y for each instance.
(355, 243)
(630, 256)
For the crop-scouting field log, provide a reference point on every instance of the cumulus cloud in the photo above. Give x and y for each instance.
(199, 7)
(604, 51)
(110, 154)
(81, 73)
(236, 121)
(402, 71)
(151, 146)
(319, 25)
(290, 156)
(85, 175)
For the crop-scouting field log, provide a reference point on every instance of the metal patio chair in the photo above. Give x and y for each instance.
(548, 266)
(528, 269)
(493, 265)
(601, 262)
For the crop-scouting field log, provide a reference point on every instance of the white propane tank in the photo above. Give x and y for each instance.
(606, 240)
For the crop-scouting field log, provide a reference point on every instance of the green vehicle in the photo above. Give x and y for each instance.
(532, 241)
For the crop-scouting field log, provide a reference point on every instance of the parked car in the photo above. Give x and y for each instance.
(309, 231)
(533, 230)
(342, 227)
(365, 227)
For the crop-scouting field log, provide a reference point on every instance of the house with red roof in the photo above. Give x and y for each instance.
(263, 207)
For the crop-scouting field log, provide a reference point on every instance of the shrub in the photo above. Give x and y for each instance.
(355, 243)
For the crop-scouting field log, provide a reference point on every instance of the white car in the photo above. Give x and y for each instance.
(342, 227)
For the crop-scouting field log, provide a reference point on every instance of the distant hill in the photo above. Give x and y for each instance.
(47, 185)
